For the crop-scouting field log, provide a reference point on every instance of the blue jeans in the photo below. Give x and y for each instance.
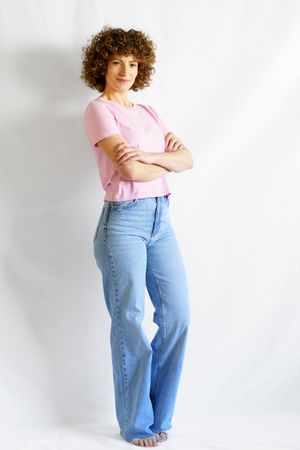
(135, 248)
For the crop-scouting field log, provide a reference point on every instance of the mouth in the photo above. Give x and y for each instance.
(124, 81)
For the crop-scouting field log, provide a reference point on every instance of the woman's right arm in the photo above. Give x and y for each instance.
(132, 170)
(147, 172)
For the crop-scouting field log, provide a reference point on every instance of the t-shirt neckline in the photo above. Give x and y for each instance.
(116, 103)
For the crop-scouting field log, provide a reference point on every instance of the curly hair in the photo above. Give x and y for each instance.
(116, 41)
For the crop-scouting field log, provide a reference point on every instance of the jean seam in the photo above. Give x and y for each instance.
(157, 372)
(125, 406)
(98, 225)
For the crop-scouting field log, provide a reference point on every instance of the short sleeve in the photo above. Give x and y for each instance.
(161, 121)
(99, 122)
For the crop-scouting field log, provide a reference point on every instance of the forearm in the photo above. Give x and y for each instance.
(175, 160)
(147, 172)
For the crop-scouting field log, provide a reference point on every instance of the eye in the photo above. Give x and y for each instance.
(118, 62)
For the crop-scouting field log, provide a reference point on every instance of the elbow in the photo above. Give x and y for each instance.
(124, 173)
(187, 167)
(190, 162)
(187, 164)
(135, 175)
(128, 173)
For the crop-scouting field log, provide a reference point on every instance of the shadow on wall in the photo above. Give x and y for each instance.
(46, 167)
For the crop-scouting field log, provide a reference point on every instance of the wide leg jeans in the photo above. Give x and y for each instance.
(136, 248)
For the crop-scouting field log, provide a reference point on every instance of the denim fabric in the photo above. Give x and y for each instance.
(135, 248)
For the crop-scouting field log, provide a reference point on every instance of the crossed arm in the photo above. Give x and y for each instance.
(150, 165)
(136, 165)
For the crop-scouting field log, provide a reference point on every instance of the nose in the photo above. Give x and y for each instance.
(124, 70)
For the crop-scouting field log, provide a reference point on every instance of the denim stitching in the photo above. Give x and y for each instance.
(117, 308)
(98, 225)
(125, 207)
(164, 333)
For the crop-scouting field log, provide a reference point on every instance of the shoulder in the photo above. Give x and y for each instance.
(149, 109)
(157, 118)
(152, 111)
(146, 106)
(96, 110)
(95, 105)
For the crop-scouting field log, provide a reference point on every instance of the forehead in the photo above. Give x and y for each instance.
(123, 57)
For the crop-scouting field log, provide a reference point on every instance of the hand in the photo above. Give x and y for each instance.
(172, 142)
(126, 153)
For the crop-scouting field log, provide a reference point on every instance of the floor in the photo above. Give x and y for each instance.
(205, 433)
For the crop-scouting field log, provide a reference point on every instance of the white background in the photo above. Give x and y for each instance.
(227, 83)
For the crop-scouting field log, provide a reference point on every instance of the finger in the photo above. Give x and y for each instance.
(127, 160)
(171, 142)
(177, 146)
(123, 150)
(120, 144)
(123, 145)
(178, 143)
(127, 156)
(129, 146)
(168, 141)
(168, 137)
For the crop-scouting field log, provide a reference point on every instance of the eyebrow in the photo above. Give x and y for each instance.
(118, 59)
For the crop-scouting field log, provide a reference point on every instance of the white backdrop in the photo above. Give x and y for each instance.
(227, 82)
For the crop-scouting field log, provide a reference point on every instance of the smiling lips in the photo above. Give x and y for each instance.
(120, 79)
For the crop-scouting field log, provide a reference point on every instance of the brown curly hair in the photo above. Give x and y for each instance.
(116, 41)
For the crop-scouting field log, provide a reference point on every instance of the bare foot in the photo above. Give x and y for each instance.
(146, 442)
(161, 436)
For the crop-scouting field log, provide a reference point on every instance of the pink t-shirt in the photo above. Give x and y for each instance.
(140, 126)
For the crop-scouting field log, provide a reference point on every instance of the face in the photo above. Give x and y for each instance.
(121, 72)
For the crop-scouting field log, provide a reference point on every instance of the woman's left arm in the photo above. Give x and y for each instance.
(176, 156)
(175, 160)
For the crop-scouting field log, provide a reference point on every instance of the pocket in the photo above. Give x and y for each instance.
(123, 205)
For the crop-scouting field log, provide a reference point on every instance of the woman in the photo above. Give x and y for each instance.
(134, 244)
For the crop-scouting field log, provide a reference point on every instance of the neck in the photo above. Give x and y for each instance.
(117, 97)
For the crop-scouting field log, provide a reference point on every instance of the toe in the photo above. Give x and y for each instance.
(147, 442)
(161, 436)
